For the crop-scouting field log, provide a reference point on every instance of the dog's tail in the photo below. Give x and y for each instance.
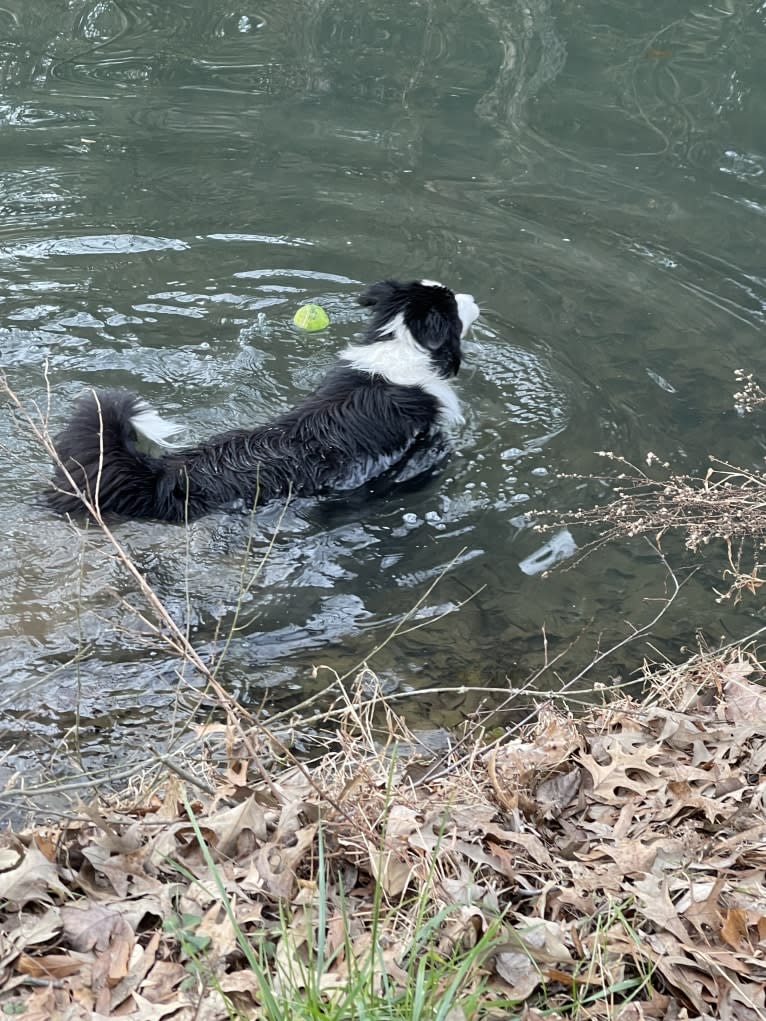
(98, 459)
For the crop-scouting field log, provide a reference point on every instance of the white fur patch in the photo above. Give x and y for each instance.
(403, 362)
(468, 311)
(153, 426)
(431, 283)
(397, 327)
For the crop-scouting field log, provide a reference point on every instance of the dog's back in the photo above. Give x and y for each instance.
(384, 397)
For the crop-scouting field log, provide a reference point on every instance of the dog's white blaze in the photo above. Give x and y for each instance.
(468, 311)
(153, 426)
(431, 283)
(403, 362)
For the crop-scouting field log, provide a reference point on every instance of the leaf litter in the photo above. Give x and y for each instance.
(618, 862)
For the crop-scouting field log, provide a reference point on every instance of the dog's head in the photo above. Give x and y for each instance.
(424, 313)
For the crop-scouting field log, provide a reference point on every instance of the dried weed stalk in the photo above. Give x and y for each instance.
(726, 505)
(751, 396)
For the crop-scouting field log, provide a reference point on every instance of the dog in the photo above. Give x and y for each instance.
(386, 397)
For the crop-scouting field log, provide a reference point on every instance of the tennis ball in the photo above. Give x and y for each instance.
(311, 318)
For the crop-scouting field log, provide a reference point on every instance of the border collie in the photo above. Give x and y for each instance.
(384, 398)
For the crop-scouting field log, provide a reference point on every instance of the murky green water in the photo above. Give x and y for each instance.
(177, 177)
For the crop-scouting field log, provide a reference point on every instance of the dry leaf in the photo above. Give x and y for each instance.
(392, 867)
(545, 939)
(390, 870)
(744, 701)
(239, 830)
(34, 879)
(631, 857)
(700, 906)
(656, 905)
(10, 858)
(625, 771)
(217, 924)
(162, 981)
(27, 930)
(53, 965)
(734, 928)
(245, 981)
(93, 927)
(680, 971)
(149, 1010)
(520, 972)
(139, 964)
(273, 869)
(559, 791)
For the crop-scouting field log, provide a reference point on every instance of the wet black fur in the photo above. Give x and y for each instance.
(353, 428)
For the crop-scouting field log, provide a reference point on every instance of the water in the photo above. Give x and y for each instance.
(176, 178)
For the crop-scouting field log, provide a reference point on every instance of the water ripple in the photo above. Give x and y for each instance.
(104, 244)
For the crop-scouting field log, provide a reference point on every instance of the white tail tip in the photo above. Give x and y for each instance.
(154, 427)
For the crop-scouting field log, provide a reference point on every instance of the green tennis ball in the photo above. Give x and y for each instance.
(311, 318)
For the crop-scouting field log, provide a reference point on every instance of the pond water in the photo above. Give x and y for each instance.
(177, 177)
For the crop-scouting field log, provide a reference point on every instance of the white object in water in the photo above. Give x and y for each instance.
(559, 547)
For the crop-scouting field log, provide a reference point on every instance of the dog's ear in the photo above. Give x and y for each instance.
(384, 291)
(435, 329)
(433, 320)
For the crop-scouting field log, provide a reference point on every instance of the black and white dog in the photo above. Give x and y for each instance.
(385, 397)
